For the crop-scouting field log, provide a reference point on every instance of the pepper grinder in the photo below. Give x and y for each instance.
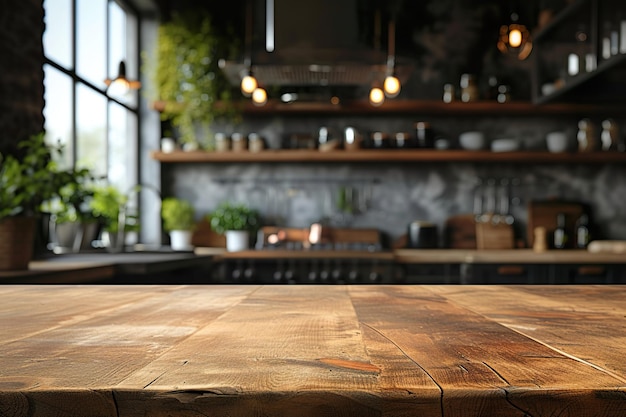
(540, 243)
(586, 136)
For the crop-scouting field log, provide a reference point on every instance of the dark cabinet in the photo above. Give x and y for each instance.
(580, 55)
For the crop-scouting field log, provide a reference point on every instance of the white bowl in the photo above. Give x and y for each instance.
(556, 141)
(505, 145)
(472, 141)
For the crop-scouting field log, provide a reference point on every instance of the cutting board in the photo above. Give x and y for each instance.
(460, 232)
(494, 236)
(544, 213)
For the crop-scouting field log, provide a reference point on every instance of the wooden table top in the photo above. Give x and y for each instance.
(313, 351)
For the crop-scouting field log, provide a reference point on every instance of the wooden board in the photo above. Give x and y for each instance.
(460, 232)
(313, 351)
(544, 214)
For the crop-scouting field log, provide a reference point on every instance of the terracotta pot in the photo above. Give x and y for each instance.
(17, 235)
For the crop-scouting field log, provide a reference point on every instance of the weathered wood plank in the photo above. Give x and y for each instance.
(586, 322)
(482, 367)
(301, 344)
(102, 346)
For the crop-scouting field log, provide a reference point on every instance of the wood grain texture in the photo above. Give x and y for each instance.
(313, 351)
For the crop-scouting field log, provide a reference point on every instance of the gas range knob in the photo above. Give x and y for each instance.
(374, 276)
(324, 275)
(353, 276)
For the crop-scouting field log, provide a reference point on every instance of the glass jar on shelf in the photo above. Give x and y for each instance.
(469, 88)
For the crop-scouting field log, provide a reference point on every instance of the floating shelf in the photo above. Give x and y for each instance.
(392, 155)
(421, 107)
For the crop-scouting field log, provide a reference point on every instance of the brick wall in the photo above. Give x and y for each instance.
(21, 71)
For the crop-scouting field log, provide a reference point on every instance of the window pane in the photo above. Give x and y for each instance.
(91, 40)
(117, 38)
(122, 47)
(122, 147)
(58, 112)
(57, 38)
(91, 135)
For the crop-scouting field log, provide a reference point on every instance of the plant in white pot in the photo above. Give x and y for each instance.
(236, 221)
(178, 220)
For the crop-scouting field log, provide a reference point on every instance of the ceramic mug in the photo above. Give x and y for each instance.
(556, 141)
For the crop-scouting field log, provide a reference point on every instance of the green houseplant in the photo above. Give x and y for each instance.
(235, 221)
(25, 183)
(109, 206)
(189, 84)
(178, 219)
(73, 224)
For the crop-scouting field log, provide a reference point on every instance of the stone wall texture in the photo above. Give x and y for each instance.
(21, 71)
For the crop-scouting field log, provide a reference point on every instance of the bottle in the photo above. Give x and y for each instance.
(560, 235)
(582, 232)
(469, 89)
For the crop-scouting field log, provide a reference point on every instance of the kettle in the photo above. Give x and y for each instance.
(422, 235)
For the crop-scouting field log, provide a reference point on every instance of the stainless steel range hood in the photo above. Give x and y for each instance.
(317, 43)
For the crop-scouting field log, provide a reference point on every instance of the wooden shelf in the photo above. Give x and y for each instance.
(391, 155)
(421, 107)
(616, 64)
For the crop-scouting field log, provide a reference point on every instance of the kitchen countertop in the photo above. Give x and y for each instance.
(98, 266)
(575, 256)
(313, 350)
(429, 255)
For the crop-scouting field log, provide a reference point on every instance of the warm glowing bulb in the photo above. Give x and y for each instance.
(377, 97)
(119, 87)
(248, 85)
(391, 86)
(259, 96)
(515, 38)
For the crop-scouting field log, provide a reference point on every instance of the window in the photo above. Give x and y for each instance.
(84, 43)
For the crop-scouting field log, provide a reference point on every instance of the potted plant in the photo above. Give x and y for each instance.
(236, 221)
(178, 220)
(25, 183)
(109, 205)
(73, 224)
(190, 88)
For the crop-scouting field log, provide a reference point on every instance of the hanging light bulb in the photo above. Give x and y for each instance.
(259, 96)
(391, 86)
(120, 84)
(377, 96)
(248, 84)
(515, 39)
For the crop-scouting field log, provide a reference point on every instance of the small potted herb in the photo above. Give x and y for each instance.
(235, 221)
(178, 219)
(109, 205)
(73, 225)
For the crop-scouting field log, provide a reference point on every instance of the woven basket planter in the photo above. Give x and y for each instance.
(17, 236)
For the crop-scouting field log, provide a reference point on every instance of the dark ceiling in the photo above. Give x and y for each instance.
(445, 38)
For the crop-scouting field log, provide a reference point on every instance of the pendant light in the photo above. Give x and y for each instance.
(249, 83)
(515, 39)
(259, 96)
(377, 96)
(121, 84)
(391, 86)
